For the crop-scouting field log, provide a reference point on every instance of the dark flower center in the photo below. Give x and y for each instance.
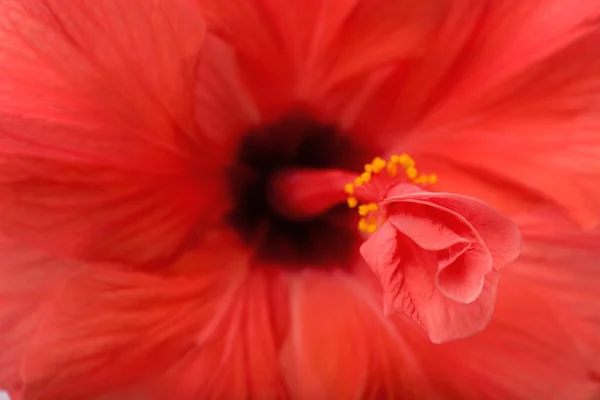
(294, 141)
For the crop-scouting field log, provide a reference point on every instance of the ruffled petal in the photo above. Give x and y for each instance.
(408, 276)
(460, 256)
(501, 235)
(341, 347)
(112, 328)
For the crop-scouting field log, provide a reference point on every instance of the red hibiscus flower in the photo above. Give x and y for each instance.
(321, 199)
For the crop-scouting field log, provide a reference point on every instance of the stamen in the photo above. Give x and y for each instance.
(376, 172)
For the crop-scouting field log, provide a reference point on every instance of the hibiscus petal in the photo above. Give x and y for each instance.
(29, 281)
(500, 234)
(300, 51)
(461, 257)
(560, 263)
(99, 148)
(240, 359)
(340, 345)
(104, 83)
(525, 353)
(111, 328)
(538, 130)
(102, 214)
(471, 53)
(408, 276)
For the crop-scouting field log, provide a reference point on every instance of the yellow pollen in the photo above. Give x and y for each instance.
(365, 177)
(378, 164)
(369, 222)
(349, 188)
(352, 202)
(363, 210)
(371, 228)
(363, 225)
(411, 172)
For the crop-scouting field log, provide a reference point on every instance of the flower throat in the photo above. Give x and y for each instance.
(293, 142)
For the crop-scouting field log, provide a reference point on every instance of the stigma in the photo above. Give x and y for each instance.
(372, 184)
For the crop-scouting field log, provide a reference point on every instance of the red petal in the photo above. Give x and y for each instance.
(240, 359)
(103, 214)
(341, 347)
(525, 353)
(29, 282)
(545, 121)
(100, 154)
(478, 45)
(110, 329)
(560, 264)
(104, 83)
(287, 49)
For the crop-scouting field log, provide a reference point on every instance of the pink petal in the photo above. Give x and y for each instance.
(408, 276)
(500, 234)
(462, 258)
(341, 347)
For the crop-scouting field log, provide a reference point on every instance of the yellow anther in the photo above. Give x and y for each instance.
(406, 161)
(412, 172)
(363, 210)
(370, 218)
(378, 164)
(352, 202)
(371, 228)
(363, 225)
(349, 188)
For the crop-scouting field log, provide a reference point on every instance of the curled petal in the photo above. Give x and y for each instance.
(438, 257)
